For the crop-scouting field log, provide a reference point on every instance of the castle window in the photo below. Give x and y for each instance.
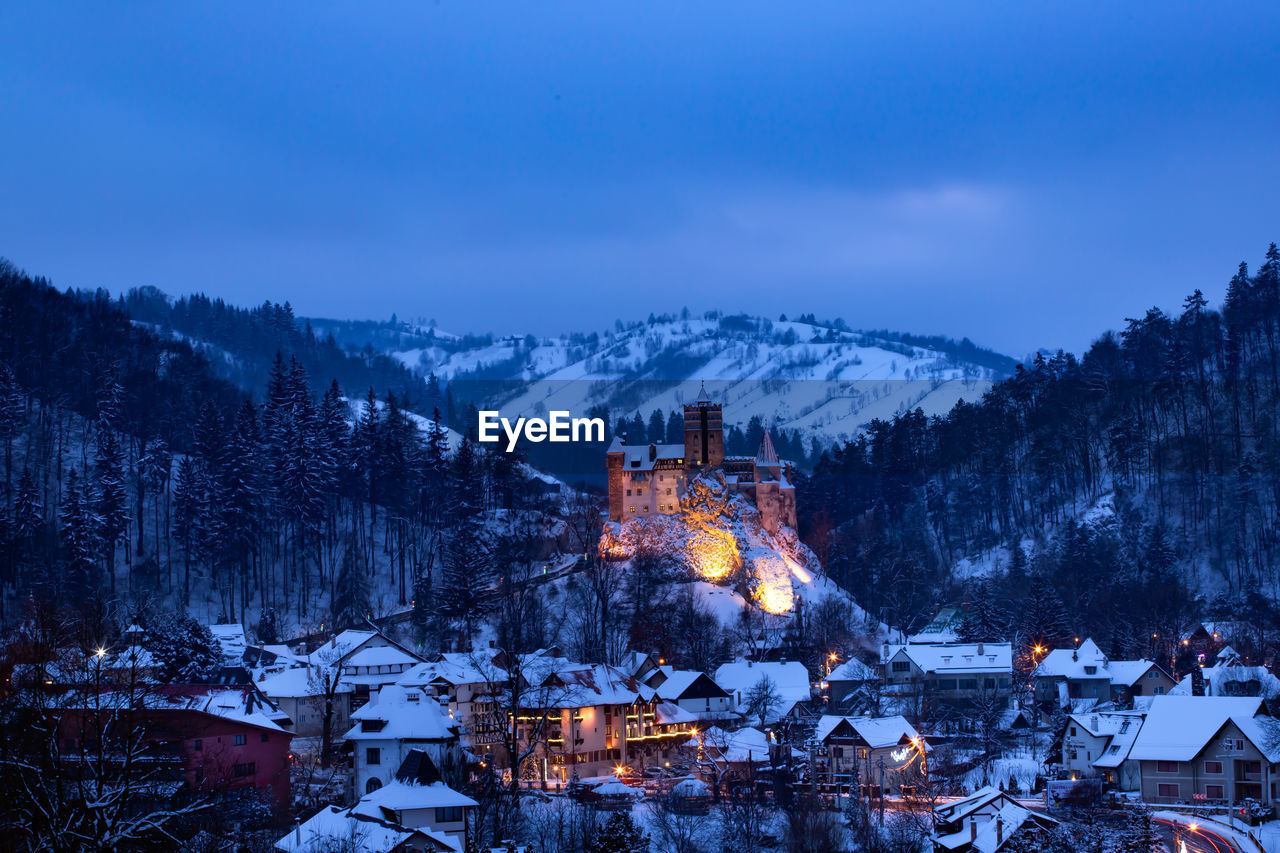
(628, 493)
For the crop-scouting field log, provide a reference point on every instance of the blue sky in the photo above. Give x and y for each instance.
(1026, 174)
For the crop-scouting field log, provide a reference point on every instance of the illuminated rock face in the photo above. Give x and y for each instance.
(772, 588)
(713, 553)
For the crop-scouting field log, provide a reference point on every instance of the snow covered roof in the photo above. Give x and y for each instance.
(618, 789)
(994, 834)
(852, 670)
(790, 679)
(747, 744)
(691, 787)
(979, 799)
(679, 680)
(1119, 730)
(407, 714)
(669, 713)
(1075, 664)
(403, 796)
(876, 732)
(1232, 679)
(381, 656)
(231, 638)
(237, 704)
(636, 457)
(957, 657)
(1178, 727)
(333, 828)
(295, 682)
(584, 685)
(767, 455)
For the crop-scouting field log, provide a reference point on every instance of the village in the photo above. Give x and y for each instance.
(365, 740)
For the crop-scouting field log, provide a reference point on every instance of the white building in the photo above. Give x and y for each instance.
(397, 721)
(790, 682)
(1099, 744)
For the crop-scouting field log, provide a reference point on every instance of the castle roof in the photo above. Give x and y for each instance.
(703, 396)
(767, 455)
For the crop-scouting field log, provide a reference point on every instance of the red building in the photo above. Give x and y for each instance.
(204, 739)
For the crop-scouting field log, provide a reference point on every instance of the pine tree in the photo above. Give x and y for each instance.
(12, 415)
(185, 651)
(1043, 619)
(620, 834)
(657, 431)
(79, 527)
(112, 505)
(1197, 680)
(351, 590)
(1141, 835)
(985, 620)
(187, 513)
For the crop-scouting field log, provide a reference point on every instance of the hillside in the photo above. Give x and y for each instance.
(1136, 488)
(823, 380)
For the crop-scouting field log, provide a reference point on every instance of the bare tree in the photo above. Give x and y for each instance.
(763, 699)
(676, 830)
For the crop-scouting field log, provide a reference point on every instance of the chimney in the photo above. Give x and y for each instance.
(1093, 722)
(999, 830)
(979, 648)
(1075, 655)
(297, 831)
(973, 829)
(886, 651)
(653, 452)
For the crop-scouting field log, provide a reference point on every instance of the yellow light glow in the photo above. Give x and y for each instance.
(714, 553)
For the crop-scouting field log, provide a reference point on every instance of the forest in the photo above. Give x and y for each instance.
(1120, 494)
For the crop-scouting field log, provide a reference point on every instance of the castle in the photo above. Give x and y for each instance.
(649, 480)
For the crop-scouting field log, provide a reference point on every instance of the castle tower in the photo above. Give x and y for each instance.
(703, 432)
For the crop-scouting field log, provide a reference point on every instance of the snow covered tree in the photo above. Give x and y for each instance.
(1140, 836)
(985, 619)
(112, 505)
(620, 834)
(351, 590)
(78, 529)
(188, 509)
(12, 415)
(185, 650)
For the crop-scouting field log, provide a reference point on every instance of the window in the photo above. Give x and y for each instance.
(901, 666)
(372, 785)
(1166, 767)
(242, 770)
(453, 814)
(373, 755)
(240, 740)
(264, 737)
(1153, 674)
(837, 752)
(1167, 789)
(1090, 670)
(946, 684)
(1073, 755)
(1214, 792)
(198, 745)
(1213, 767)
(988, 682)
(968, 684)
(1113, 750)
(1073, 731)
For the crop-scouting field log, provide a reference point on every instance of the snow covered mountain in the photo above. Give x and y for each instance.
(821, 378)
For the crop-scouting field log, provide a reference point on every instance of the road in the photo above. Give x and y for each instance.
(1201, 840)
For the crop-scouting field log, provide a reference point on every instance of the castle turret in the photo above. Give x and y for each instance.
(703, 432)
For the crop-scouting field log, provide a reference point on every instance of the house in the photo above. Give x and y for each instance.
(233, 642)
(987, 821)
(1085, 673)
(414, 811)
(1099, 745)
(333, 828)
(694, 692)
(734, 755)
(202, 738)
(790, 684)
(952, 674)
(1203, 748)
(1230, 676)
(306, 694)
(850, 750)
(337, 678)
(847, 679)
(944, 627)
(397, 721)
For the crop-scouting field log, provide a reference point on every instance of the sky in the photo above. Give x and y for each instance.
(1023, 174)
